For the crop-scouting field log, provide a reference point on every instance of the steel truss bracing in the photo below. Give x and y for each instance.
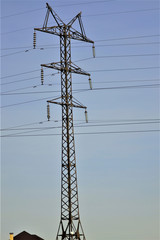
(70, 227)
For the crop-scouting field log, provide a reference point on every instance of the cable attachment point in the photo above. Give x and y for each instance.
(86, 116)
(34, 39)
(93, 50)
(48, 111)
(90, 82)
(42, 76)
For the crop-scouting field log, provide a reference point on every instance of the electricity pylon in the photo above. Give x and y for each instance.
(70, 227)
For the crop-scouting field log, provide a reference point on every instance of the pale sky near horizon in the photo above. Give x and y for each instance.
(117, 158)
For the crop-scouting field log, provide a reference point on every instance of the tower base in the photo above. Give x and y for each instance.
(70, 231)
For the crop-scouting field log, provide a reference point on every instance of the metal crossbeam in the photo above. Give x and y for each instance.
(70, 227)
(72, 68)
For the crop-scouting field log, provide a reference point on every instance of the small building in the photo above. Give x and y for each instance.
(25, 236)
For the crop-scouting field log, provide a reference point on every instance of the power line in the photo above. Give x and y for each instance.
(113, 45)
(33, 86)
(120, 56)
(64, 5)
(82, 83)
(123, 69)
(83, 3)
(20, 13)
(31, 101)
(83, 90)
(27, 124)
(122, 12)
(18, 74)
(109, 56)
(89, 15)
(90, 71)
(130, 37)
(15, 53)
(27, 79)
(126, 87)
(77, 90)
(106, 45)
(22, 80)
(77, 126)
(86, 125)
(122, 81)
(19, 127)
(14, 90)
(88, 133)
(99, 40)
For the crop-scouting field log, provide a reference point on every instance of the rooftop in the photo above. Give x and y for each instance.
(27, 236)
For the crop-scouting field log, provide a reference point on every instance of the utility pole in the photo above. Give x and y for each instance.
(70, 227)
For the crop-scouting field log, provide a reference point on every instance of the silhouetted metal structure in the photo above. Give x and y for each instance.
(70, 225)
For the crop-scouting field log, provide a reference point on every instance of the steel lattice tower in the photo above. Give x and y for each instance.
(70, 227)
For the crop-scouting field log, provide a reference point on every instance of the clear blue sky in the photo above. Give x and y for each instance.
(118, 171)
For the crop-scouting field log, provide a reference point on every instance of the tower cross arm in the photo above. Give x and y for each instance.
(73, 34)
(76, 35)
(52, 30)
(75, 69)
(72, 68)
(75, 103)
(53, 65)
